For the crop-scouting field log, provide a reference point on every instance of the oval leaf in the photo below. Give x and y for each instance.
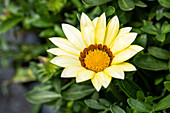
(137, 105)
(77, 92)
(42, 23)
(159, 52)
(164, 3)
(142, 40)
(160, 37)
(167, 85)
(116, 109)
(126, 5)
(149, 28)
(150, 63)
(47, 33)
(129, 87)
(163, 104)
(140, 3)
(39, 97)
(165, 27)
(94, 104)
(167, 15)
(95, 2)
(9, 23)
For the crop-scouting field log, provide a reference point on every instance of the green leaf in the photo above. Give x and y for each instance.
(58, 30)
(77, 92)
(95, 95)
(94, 104)
(42, 10)
(167, 15)
(124, 16)
(150, 63)
(129, 87)
(104, 102)
(56, 5)
(169, 65)
(165, 27)
(159, 52)
(95, 2)
(149, 28)
(167, 77)
(57, 84)
(163, 104)
(42, 23)
(167, 85)
(43, 87)
(159, 14)
(47, 33)
(110, 11)
(126, 5)
(158, 80)
(164, 3)
(140, 95)
(139, 106)
(116, 109)
(35, 108)
(142, 40)
(58, 104)
(160, 37)
(40, 97)
(9, 23)
(139, 3)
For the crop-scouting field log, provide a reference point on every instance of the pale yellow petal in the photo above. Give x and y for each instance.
(96, 83)
(126, 54)
(123, 42)
(84, 75)
(87, 29)
(104, 79)
(100, 29)
(127, 66)
(58, 51)
(74, 36)
(65, 61)
(124, 31)
(95, 21)
(65, 45)
(71, 71)
(111, 30)
(115, 71)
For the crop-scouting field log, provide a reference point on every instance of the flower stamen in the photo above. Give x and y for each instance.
(96, 57)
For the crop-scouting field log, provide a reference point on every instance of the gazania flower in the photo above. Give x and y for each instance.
(96, 52)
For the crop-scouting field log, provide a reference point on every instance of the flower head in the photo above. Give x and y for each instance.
(97, 52)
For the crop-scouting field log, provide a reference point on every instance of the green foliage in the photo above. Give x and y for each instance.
(139, 106)
(163, 104)
(94, 104)
(167, 85)
(146, 90)
(129, 87)
(96, 2)
(39, 96)
(149, 28)
(164, 3)
(9, 23)
(126, 5)
(150, 63)
(159, 53)
(77, 92)
(116, 109)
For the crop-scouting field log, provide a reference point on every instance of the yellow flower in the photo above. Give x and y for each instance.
(97, 52)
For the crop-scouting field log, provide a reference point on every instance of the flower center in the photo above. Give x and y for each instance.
(96, 57)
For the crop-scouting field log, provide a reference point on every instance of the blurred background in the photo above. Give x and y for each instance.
(26, 25)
